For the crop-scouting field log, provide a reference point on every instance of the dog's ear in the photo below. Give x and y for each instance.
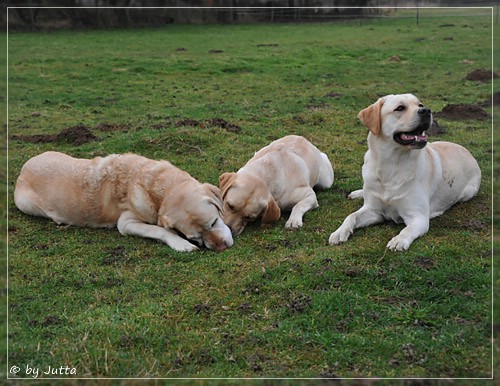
(225, 182)
(215, 196)
(272, 212)
(370, 117)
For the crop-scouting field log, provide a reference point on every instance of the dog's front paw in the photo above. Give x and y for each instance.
(339, 236)
(184, 246)
(398, 243)
(293, 223)
(355, 194)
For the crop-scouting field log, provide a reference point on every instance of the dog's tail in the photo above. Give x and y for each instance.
(326, 177)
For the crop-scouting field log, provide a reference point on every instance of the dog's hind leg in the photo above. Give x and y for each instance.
(26, 200)
(359, 219)
(326, 176)
(307, 202)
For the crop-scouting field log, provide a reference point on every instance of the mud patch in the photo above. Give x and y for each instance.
(231, 127)
(188, 122)
(460, 112)
(298, 304)
(212, 122)
(492, 100)
(114, 255)
(481, 75)
(333, 94)
(107, 127)
(424, 262)
(436, 129)
(75, 135)
(202, 308)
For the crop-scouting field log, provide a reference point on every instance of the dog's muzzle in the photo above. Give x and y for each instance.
(416, 139)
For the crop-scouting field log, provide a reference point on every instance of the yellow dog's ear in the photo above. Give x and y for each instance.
(214, 195)
(225, 182)
(370, 117)
(272, 213)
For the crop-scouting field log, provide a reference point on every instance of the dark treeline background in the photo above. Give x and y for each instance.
(54, 14)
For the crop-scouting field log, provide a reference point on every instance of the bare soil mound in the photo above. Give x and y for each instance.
(461, 112)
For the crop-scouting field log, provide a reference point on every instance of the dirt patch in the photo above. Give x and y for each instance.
(188, 122)
(75, 135)
(224, 125)
(114, 255)
(268, 45)
(107, 127)
(492, 100)
(424, 262)
(299, 304)
(461, 112)
(202, 308)
(436, 129)
(215, 51)
(481, 75)
(212, 122)
(335, 95)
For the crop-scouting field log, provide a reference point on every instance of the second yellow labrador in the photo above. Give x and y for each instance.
(140, 196)
(281, 176)
(405, 178)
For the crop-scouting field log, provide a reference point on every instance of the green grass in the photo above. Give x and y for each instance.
(279, 303)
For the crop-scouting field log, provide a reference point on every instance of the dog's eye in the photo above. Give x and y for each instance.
(213, 224)
(420, 105)
(400, 108)
(230, 207)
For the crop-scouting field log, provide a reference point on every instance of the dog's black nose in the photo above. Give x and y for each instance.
(424, 111)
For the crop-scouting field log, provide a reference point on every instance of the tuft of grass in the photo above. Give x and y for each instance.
(279, 303)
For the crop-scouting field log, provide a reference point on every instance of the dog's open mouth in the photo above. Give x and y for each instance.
(416, 139)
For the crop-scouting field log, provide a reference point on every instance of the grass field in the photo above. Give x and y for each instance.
(279, 303)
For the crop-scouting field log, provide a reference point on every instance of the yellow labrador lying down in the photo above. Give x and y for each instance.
(406, 179)
(140, 196)
(281, 176)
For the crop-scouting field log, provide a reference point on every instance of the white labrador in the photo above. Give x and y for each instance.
(405, 178)
(140, 196)
(280, 176)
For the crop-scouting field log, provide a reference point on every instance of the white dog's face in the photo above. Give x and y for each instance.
(399, 118)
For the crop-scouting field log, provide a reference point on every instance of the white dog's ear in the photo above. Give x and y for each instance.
(272, 212)
(370, 117)
(225, 182)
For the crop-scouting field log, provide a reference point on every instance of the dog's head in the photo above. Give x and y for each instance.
(195, 211)
(246, 198)
(399, 118)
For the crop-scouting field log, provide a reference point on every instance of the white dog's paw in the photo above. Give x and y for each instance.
(184, 246)
(339, 236)
(398, 243)
(355, 195)
(293, 223)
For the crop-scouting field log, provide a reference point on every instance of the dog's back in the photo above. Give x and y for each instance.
(83, 192)
(297, 153)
